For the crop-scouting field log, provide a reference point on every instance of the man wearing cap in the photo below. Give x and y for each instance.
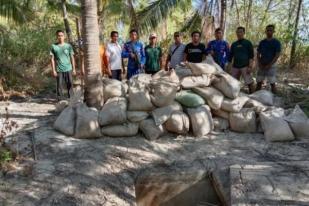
(175, 52)
(153, 54)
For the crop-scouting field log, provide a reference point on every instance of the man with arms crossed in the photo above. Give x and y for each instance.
(63, 64)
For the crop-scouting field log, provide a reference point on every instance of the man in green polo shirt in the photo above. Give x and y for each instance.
(153, 54)
(242, 55)
(63, 64)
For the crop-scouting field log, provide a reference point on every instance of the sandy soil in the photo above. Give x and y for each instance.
(70, 171)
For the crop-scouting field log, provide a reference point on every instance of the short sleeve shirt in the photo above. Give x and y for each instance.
(195, 53)
(221, 51)
(62, 55)
(177, 56)
(241, 52)
(268, 50)
(113, 53)
(153, 55)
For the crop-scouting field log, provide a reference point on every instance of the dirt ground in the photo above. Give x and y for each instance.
(53, 169)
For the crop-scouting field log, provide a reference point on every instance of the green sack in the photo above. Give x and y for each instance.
(189, 99)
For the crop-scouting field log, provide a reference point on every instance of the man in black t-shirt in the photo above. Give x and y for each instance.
(195, 51)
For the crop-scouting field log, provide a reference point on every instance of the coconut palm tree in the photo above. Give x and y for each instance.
(90, 31)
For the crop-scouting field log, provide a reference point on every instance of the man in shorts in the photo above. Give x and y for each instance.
(241, 54)
(268, 53)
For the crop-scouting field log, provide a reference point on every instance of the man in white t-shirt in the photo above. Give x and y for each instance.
(175, 52)
(114, 60)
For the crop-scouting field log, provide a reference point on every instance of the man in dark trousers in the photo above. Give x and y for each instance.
(63, 64)
(268, 53)
(194, 51)
(242, 54)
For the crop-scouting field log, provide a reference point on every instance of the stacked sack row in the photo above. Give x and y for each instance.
(198, 98)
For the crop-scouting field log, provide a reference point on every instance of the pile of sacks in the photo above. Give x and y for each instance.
(197, 98)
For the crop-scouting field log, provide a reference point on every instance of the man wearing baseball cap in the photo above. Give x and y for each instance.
(153, 54)
(175, 52)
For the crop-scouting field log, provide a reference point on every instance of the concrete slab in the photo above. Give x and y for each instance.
(270, 183)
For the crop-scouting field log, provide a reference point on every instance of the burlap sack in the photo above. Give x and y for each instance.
(114, 111)
(201, 120)
(87, 125)
(212, 96)
(124, 130)
(178, 123)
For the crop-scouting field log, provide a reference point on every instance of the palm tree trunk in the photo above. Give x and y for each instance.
(208, 21)
(223, 15)
(66, 21)
(93, 82)
(292, 57)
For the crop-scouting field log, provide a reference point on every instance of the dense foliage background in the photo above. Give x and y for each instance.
(27, 29)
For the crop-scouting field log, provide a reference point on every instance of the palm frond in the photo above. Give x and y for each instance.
(158, 10)
(192, 23)
(72, 8)
(15, 10)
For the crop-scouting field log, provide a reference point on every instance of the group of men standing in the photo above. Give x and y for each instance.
(238, 59)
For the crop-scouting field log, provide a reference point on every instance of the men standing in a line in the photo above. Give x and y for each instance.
(219, 49)
(242, 56)
(153, 54)
(63, 64)
(134, 50)
(113, 53)
(194, 51)
(175, 52)
(268, 53)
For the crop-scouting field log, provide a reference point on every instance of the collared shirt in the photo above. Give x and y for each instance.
(177, 56)
(113, 52)
(62, 55)
(221, 51)
(153, 55)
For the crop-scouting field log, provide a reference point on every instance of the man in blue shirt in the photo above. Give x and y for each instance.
(219, 49)
(134, 51)
(268, 53)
